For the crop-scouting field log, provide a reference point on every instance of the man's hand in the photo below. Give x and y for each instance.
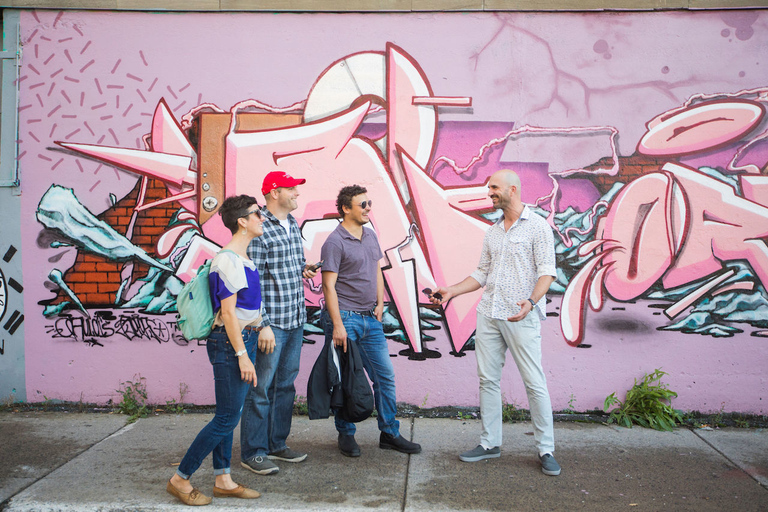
(440, 296)
(378, 311)
(340, 336)
(247, 371)
(525, 308)
(267, 340)
(311, 269)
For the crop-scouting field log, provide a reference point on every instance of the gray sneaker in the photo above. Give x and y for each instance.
(480, 453)
(549, 465)
(260, 465)
(288, 455)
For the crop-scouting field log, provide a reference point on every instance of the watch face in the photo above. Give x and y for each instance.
(3, 295)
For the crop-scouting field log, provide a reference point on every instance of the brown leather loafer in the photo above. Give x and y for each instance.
(238, 492)
(194, 497)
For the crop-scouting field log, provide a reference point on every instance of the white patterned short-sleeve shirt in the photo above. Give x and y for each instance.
(512, 262)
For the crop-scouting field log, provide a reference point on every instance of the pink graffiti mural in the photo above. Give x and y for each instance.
(677, 225)
(372, 117)
(565, 100)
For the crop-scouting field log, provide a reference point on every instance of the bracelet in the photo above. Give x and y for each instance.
(240, 352)
(533, 304)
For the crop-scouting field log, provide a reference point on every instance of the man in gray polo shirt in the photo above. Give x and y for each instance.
(353, 286)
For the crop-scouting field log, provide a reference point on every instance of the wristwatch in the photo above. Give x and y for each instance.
(240, 352)
(533, 304)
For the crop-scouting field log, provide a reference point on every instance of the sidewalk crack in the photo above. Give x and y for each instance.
(736, 464)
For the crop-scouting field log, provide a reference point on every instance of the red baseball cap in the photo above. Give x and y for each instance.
(277, 179)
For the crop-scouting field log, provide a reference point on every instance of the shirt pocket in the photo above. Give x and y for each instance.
(518, 247)
(373, 252)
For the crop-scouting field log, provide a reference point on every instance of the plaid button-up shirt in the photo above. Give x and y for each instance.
(279, 258)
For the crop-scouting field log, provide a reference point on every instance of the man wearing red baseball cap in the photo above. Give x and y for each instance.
(279, 258)
(279, 179)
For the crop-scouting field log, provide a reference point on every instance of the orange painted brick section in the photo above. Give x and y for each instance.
(88, 288)
(95, 280)
(108, 267)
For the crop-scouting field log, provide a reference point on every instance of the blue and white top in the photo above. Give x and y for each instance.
(231, 274)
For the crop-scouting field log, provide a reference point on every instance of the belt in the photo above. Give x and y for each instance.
(363, 313)
(248, 328)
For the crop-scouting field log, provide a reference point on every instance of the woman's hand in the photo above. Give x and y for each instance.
(247, 371)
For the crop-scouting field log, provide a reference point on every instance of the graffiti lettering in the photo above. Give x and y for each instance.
(104, 324)
(68, 326)
(2, 348)
(135, 326)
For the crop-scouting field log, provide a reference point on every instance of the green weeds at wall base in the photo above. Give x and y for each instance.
(134, 403)
(648, 404)
(300, 407)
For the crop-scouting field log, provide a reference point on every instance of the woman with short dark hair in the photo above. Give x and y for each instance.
(236, 296)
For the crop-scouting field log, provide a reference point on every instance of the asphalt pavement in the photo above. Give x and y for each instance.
(59, 461)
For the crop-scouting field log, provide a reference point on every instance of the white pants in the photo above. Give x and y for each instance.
(523, 339)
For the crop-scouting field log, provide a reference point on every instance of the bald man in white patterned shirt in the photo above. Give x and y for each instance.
(517, 267)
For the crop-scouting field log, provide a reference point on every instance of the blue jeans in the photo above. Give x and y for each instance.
(216, 436)
(269, 406)
(368, 333)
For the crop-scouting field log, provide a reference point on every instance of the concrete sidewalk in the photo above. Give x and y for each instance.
(90, 462)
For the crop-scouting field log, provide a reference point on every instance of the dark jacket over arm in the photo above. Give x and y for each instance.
(343, 387)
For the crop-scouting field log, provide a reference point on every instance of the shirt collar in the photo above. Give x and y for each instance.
(346, 234)
(266, 214)
(523, 216)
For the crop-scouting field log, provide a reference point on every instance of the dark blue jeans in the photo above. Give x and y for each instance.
(216, 436)
(368, 333)
(269, 406)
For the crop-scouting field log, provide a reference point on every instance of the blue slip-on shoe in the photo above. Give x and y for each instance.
(549, 465)
(480, 453)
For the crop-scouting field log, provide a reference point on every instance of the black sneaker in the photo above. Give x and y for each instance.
(399, 443)
(348, 446)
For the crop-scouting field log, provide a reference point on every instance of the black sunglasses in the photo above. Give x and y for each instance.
(368, 202)
(257, 212)
(429, 293)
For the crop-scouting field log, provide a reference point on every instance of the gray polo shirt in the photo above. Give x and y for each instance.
(356, 263)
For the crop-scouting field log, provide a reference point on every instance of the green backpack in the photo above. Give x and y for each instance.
(193, 303)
